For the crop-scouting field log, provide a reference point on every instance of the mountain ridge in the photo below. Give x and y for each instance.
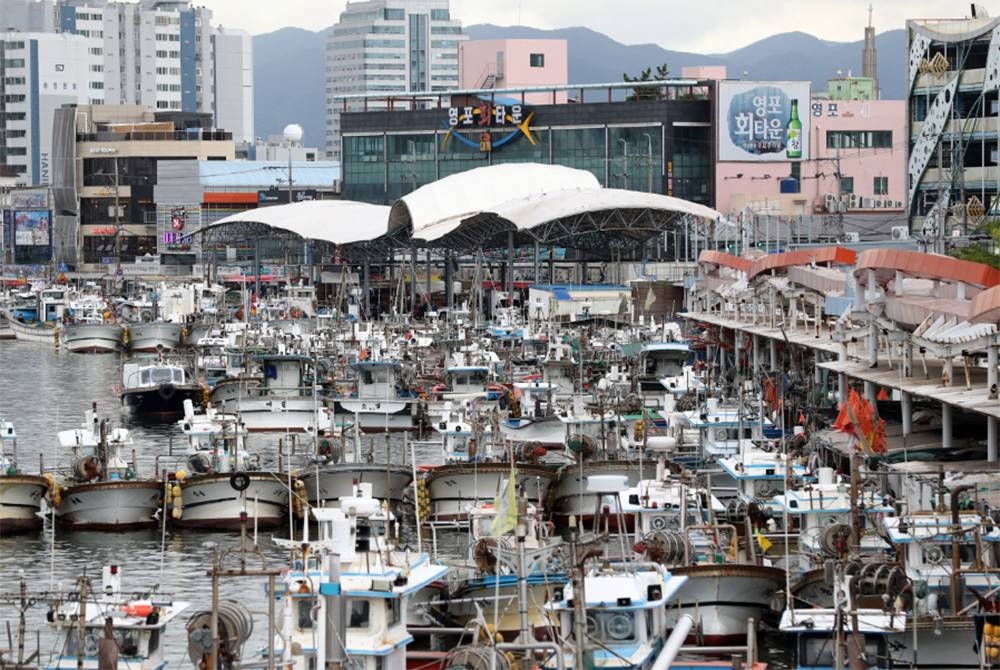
(289, 77)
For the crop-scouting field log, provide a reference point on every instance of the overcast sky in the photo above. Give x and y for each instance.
(711, 26)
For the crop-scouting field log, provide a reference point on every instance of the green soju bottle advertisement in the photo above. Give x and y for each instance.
(793, 133)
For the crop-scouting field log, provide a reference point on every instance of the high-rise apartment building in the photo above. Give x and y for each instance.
(40, 72)
(161, 54)
(389, 47)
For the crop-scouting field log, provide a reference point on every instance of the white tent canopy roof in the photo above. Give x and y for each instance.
(536, 209)
(335, 221)
(465, 194)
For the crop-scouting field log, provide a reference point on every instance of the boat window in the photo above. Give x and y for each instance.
(161, 376)
(366, 376)
(461, 379)
(154, 641)
(382, 377)
(144, 377)
(178, 376)
(394, 610)
(611, 627)
(304, 609)
(359, 614)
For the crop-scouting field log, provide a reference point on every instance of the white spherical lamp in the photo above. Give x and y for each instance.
(293, 133)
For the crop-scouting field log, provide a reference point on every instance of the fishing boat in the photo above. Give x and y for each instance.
(102, 491)
(355, 582)
(286, 399)
(89, 326)
(473, 467)
(155, 389)
(223, 487)
(41, 319)
(380, 403)
(95, 626)
(338, 465)
(20, 494)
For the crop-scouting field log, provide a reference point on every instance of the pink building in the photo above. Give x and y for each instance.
(871, 136)
(501, 64)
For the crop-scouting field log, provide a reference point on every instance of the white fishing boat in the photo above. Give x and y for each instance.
(223, 489)
(624, 608)
(473, 468)
(103, 626)
(102, 491)
(20, 494)
(43, 322)
(363, 599)
(154, 336)
(378, 405)
(92, 337)
(338, 465)
(285, 400)
(531, 414)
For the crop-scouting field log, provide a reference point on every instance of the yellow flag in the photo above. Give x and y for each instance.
(762, 541)
(506, 506)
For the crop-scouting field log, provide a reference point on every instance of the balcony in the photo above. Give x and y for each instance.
(191, 135)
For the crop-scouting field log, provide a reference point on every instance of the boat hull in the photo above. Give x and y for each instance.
(20, 503)
(326, 484)
(209, 502)
(723, 597)
(156, 336)
(113, 505)
(378, 416)
(163, 403)
(453, 488)
(35, 332)
(570, 496)
(94, 338)
(279, 414)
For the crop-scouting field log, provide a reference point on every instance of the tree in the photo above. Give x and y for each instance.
(648, 92)
(983, 250)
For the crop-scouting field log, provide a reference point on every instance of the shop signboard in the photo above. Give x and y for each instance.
(32, 235)
(490, 125)
(762, 121)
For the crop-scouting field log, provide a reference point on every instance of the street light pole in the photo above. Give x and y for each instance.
(649, 161)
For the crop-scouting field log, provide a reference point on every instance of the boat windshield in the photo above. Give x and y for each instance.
(167, 375)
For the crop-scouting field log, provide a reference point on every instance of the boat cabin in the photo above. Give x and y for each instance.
(377, 380)
(150, 374)
(285, 375)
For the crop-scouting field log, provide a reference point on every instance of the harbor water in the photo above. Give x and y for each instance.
(43, 391)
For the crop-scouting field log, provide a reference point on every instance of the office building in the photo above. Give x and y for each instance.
(386, 47)
(160, 54)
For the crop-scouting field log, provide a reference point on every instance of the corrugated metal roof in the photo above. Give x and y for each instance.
(263, 174)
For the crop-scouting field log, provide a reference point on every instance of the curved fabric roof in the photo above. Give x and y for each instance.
(335, 221)
(584, 218)
(468, 193)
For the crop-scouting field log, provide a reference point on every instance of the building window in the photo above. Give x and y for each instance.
(537, 60)
(859, 139)
(796, 172)
(440, 15)
(881, 186)
(394, 14)
(847, 184)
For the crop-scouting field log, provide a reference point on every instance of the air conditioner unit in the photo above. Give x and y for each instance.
(852, 201)
(956, 232)
(900, 232)
(867, 203)
(899, 204)
(830, 202)
(878, 203)
(842, 207)
(852, 237)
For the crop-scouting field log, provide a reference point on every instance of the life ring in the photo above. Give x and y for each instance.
(166, 391)
(658, 523)
(295, 313)
(240, 481)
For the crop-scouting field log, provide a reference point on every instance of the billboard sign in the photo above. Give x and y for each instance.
(763, 121)
(32, 236)
(29, 199)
